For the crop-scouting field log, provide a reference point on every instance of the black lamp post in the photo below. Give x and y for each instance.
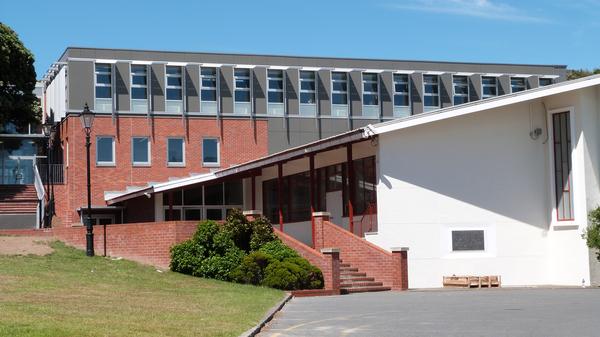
(48, 129)
(87, 119)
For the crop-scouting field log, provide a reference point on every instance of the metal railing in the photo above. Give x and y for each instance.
(56, 173)
(41, 194)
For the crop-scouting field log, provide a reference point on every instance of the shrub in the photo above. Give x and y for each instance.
(310, 277)
(278, 250)
(220, 266)
(186, 257)
(592, 233)
(239, 228)
(281, 275)
(262, 233)
(251, 271)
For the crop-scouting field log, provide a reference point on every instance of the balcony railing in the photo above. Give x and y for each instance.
(56, 172)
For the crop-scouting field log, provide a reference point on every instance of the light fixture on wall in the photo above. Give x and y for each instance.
(536, 133)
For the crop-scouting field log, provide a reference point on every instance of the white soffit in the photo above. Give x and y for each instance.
(433, 72)
(377, 71)
(464, 74)
(342, 70)
(311, 68)
(105, 61)
(407, 72)
(244, 66)
(549, 76)
(491, 75)
(142, 62)
(279, 67)
(211, 65)
(521, 75)
(177, 64)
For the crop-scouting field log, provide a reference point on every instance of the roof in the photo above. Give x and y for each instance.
(359, 134)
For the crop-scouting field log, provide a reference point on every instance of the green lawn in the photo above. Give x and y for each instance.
(69, 294)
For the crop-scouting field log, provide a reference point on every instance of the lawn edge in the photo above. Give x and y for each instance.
(269, 316)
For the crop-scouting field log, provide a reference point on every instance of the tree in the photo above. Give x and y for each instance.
(579, 73)
(18, 104)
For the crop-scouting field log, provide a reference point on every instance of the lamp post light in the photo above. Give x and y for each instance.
(87, 119)
(48, 130)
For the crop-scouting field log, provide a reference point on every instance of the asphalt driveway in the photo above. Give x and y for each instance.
(481, 312)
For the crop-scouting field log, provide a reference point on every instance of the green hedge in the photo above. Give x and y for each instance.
(245, 252)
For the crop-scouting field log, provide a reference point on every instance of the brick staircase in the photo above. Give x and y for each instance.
(354, 281)
(18, 206)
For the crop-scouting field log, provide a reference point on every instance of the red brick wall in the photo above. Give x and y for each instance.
(241, 140)
(360, 253)
(328, 264)
(147, 243)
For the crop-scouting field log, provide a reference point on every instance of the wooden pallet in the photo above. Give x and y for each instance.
(488, 281)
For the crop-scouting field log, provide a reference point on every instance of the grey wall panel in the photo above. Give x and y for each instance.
(303, 130)
(260, 88)
(81, 84)
(324, 90)
(278, 139)
(122, 86)
(416, 92)
(503, 85)
(157, 84)
(192, 88)
(226, 90)
(292, 91)
(333, 126)
(387, 94)
(446, 90)
(475, 87)
(533, 82)
(359, 123)
(355, 92)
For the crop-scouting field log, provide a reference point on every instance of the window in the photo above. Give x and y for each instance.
(276, 92)
(468, 240)
(308, 93)
(544, 81)
(339, 94)
(175, 152)
(461, 89)
(401, 95)
(174, 87)
(140, 151)
(561, 136)
(210, 152)
(489, 87)
(370, 95)
(139, 88)
(103, 75)
(242, 91)
(105, 151)
(208, 90)
(204, 202)
(517, 84)
(431, 92)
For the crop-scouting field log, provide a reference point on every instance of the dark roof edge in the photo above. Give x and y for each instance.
(559, 66)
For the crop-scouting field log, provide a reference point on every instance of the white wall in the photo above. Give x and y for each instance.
(56, 95)
(481, 171)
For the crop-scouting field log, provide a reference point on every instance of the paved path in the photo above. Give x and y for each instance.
(464, 313)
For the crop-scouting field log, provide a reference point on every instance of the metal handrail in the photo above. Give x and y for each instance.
(41, 194)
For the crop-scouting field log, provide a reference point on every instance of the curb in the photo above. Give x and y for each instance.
(256, 329)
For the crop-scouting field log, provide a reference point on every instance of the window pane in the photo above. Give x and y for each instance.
(139, 80)
(371, 87)
(193, 214)
(175, 150)
(308, 75)
(401, 100)
(103, 68)
(339, 98)
(431, 101)
(340, 86)
(489, 91)
(234, 193)
(177, 201)
(468, 240)
(242, 72)
(209, 82)
(431, 89)
(208, 95)
(369, 99)
(214, 214)
(173, 70)
(210, 150)
(192, 196)
(242, 96)
(275, 97)
(139, 93)
(138, 69)
(460, 100)
(369, 77)
(174, 94)
(338, 76)
(140, 150)
(401, 87)
(545, 81)
(213, 194)
(307, 97)
(275, 74)
(208, 71)
(488, 80)
(102, 79)
(461, 90)
(242, 83)
(174, 81)
(104, 148)
(276, 84)
(103, 92)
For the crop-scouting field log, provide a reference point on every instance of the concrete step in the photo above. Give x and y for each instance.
(352, 273)
(360, 284)
(363, 289)
(357, 279)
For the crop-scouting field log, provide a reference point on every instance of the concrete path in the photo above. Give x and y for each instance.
(464, 313)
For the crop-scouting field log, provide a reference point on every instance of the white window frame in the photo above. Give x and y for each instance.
(147, 163)
(215, 88)
(111, 86)
(114, 153)
(282, 90)
(180, 87)
(524, 85)
(218, 162)
(577, 174)
(454, 94)
(340, 92)
(425, 94)
(131, 75)
(407, 108)
(483, 86)
(236, 89)
(373, 107)
(545, 78)
(176, 164)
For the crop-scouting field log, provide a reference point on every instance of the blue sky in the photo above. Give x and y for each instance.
(506, 31)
